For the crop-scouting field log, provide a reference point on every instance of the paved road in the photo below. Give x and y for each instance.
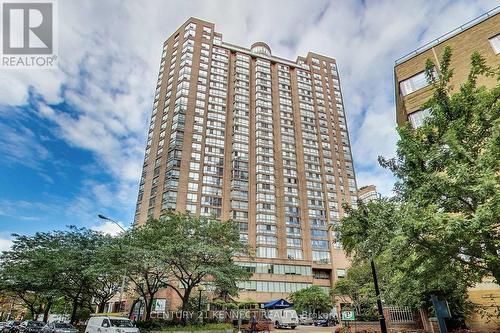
(307, 329)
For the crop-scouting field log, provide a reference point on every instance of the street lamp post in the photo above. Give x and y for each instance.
(200, 289)
(122, 287)
(111, 220)
(383, 326)
(139, 317)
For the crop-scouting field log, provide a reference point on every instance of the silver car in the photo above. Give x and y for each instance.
(305, 320)
(58, 327)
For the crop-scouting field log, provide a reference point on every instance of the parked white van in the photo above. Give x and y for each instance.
(284, 318)
(107, 324)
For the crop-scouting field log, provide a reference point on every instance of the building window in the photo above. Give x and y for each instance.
(294, 254)
(191, 209)
(495, 43)
(417, 118)
(321, 257)
(267, 240)
(413, 83)
(266, 252)
(340, 273)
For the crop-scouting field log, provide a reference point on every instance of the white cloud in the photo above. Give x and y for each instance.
(15, 84)
(109, 53)
(107, 227)
(5, 244)
(111, 199)
(382, 179)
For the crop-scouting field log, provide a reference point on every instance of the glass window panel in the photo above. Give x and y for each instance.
(413, 83)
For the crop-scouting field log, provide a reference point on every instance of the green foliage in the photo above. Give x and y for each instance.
(54, 267)
(137, 254)
(247, 304)
(407, 275)
(31, 270)
(197, 248)
(193, 302)
(311, 299)
(368, 229)
(441, 233)
(72, 267)
(448, 171)
(154, 324)
(223, 305)
(357, 290)
(168, 325)
(179, 251)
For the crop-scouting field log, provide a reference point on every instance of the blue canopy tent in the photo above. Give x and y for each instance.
(278, 304)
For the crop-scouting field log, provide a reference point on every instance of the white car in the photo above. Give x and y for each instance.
(284, 318)
(305, 320)
(108, 324)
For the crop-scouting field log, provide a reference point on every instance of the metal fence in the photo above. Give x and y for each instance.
(400, 315)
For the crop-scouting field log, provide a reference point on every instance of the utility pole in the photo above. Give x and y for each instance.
(383, 326)
(122, 287)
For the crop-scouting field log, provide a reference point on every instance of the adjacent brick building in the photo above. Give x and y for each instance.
(412, 91)
(368, 193)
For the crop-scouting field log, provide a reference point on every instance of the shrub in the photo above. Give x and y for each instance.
(167, 325)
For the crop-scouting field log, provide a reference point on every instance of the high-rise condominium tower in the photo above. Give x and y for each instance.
(241, 134)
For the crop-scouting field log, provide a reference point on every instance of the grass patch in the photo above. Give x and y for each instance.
(162, 325)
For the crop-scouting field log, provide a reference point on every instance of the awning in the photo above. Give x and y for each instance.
(277, 304)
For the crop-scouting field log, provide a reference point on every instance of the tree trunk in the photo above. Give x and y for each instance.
(35, 317)
(100, 306)
(132, 308)
(46, 311)
(185, 304)
(149, 306)
(184, 312)
(73, 311)
(31, 307)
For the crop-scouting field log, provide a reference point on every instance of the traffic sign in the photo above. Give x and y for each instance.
(348, 316)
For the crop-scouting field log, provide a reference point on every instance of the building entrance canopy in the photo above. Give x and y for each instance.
(278, 304)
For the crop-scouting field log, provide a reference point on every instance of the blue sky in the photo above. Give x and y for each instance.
(72, 140)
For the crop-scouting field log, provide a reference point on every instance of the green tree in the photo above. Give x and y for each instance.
(138, 254)
(441, 233)
(180, 251)
(77, 249)
(356, 291)
(199, 249)
(380, 229)
(106, 280)
(448, 171)
(31, 270)
(311, 300)
(43, 268)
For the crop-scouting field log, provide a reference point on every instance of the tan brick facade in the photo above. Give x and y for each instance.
(463, 42)
(241, 134)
